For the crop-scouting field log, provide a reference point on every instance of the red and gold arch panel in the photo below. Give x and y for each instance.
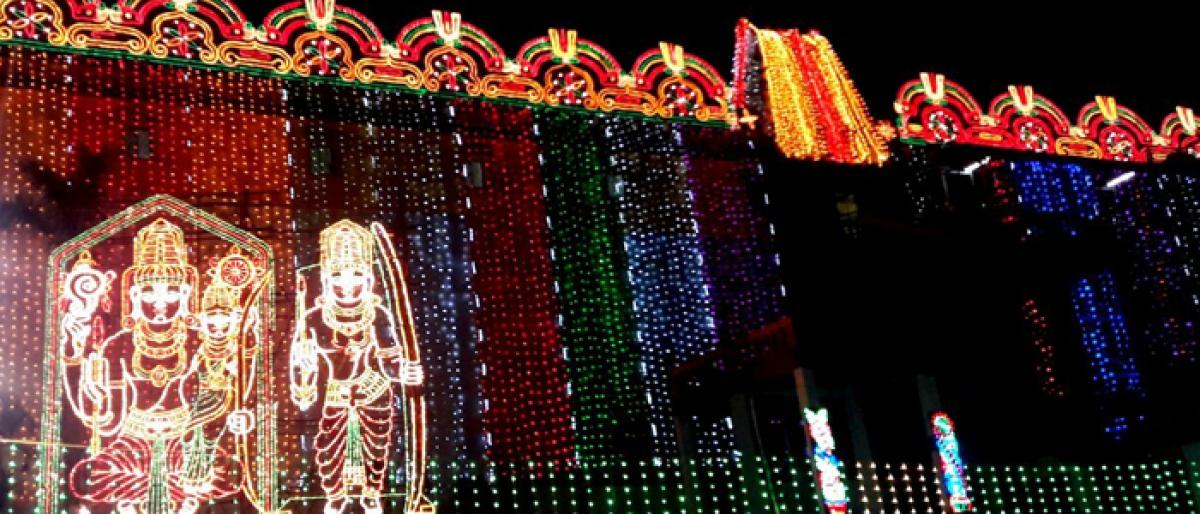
(934, 109)
(441, 52)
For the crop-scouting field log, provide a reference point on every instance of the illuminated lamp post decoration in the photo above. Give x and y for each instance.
(829, 467)
(954, 480)
(163, 366)
(360, 339)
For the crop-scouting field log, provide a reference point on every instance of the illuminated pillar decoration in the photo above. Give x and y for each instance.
(162, 364)
(954, 480)
(829, 467)
(348, 348)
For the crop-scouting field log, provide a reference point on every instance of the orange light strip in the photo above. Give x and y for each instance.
(815, 111)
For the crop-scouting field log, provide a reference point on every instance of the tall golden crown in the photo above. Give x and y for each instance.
(220, 296)
(346, 245)
(159, 257)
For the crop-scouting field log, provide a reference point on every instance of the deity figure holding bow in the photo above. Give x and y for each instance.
(358, 343)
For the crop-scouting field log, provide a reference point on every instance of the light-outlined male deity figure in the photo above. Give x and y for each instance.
(349, 348)
(163, 398)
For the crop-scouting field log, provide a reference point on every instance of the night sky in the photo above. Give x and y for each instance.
(1068, 54)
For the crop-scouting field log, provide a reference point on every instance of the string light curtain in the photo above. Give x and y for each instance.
(528, 416)
(610, 402)
(730, 201)
(672, 302)
(1063, 200)
(1157, 218)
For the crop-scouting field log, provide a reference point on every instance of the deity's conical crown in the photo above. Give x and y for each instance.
(160, 256)
(346, 245)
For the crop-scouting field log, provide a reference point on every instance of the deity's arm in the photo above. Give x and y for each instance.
(303, 368)
(391, 355)
(99, 393)
(84, 289)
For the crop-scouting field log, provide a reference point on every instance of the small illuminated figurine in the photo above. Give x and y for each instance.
(353, 340)
(954, 481)
(829, 467)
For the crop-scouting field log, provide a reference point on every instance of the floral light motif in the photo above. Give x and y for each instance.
(182, 37)
(681, 99)
(30, 19)
(569, 87)
(942, 126)
(1034, 136)
(323, 55)
(452, 71)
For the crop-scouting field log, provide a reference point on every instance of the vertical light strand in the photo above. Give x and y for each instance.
(671, 298)
(609, 400)
(730, 202)
(526, 385)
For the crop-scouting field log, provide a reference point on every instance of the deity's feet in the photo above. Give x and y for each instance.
(371, 505)
(335, 506)
(189, 506)
(422, 507)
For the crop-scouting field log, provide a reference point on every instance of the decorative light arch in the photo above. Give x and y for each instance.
(934, 109)
(320, 39)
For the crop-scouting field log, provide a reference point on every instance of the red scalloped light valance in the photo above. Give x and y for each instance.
(933, 109)
(317, 38)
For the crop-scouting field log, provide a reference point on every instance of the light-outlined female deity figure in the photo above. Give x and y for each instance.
(349, 347)
(162, 387)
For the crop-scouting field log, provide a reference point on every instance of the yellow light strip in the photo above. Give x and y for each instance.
(792, 116)
(797, 112)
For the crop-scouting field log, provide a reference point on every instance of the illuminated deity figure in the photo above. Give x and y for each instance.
(159, 394)
(355, 342)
